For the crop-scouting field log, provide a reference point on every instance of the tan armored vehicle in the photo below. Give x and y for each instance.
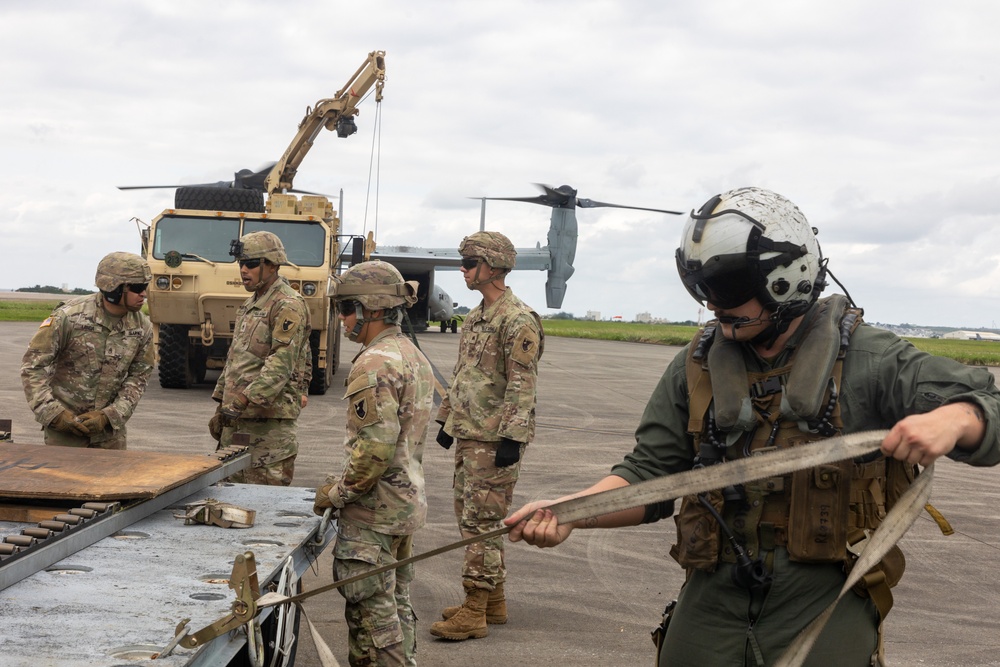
(196, 288)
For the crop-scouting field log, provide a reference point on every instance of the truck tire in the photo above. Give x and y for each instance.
(219, 199)
(322, 379)
(319, 382)
(175, 367)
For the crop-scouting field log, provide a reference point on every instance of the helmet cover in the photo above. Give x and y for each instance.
(120, 268)
(494, 247)
(260, 245)
(376, 285)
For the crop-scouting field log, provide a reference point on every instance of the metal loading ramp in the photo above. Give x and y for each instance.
(119, 600)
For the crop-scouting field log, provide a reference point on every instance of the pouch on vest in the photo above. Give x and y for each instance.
(698, 538)
(817, 517)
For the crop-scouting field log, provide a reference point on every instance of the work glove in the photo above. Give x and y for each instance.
(67, 422)
(444, 439)
(322, 501)
(94, 421)
(215, 425)
(508, 453)
(233, 409)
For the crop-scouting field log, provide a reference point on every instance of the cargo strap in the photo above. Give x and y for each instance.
(212, 512)
(691, 482)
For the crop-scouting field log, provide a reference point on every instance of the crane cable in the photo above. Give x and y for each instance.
(374, 163)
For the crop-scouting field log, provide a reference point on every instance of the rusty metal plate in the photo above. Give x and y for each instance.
(41, 472)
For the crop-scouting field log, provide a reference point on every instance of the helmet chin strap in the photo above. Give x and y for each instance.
(256, 286)
(766, 337)
(360, 322)
(476, 282)
(778, 322)
(263, 281)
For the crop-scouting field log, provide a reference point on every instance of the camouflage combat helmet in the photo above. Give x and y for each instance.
(494, 247)
(262, 245)
(376, 285)
(120, 268)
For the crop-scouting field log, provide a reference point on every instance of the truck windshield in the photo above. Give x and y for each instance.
(210, 238)
(304, 242)
(196, 236)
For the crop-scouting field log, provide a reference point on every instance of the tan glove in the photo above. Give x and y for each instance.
(234, 408)
(215, 425)
(94, 422)
(322, 501)
(67, 422)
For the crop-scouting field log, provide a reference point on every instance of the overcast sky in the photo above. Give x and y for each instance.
(879, 119)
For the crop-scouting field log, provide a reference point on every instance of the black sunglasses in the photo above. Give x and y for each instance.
(250, 263)
(138, 288)
(346, 308)
(469, 263)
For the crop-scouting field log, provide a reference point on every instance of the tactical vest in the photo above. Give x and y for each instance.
(817, 514)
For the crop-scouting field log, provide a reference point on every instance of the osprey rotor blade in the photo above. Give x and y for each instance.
(217, 184)
(146, 187)
(590, 203)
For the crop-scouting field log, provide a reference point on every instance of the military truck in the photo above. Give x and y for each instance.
(196, 288)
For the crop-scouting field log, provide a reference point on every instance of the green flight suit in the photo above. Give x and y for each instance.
(884, 380)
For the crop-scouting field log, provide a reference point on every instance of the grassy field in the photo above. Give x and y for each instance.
(632, 332)
(25, 311)
(973, 352)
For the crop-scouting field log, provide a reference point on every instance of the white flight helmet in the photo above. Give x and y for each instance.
(747, 243)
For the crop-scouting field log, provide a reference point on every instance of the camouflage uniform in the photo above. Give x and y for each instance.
(82, 359)
(492, 396)
(268, 363)
(380, 495)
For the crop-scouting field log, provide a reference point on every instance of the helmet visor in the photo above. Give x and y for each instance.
(725, 281)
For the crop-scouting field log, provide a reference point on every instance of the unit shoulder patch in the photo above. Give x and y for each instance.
(525, 348)
(287, 322)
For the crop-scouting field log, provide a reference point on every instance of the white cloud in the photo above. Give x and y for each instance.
(877, 119)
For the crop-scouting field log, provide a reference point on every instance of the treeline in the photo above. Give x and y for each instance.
(49, 289)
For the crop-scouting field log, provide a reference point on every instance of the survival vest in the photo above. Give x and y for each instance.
(819, 514)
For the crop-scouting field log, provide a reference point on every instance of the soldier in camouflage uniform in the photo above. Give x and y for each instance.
(267, 370)
(87, 365)
(490, 411)
(379, 495)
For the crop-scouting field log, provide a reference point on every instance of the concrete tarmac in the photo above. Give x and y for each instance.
(593, 600)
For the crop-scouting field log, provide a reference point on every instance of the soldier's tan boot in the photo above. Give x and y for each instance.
(469, 622)
(496, 607)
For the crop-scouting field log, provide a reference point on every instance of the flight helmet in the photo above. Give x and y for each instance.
(748, 243)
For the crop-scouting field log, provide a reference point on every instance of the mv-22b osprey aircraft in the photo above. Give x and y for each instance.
(556, 257)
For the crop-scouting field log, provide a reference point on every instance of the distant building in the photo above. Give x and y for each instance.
(645, 318)
(971, 335)
(593, 315)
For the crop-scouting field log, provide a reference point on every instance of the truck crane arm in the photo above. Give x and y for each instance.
(336, 113)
